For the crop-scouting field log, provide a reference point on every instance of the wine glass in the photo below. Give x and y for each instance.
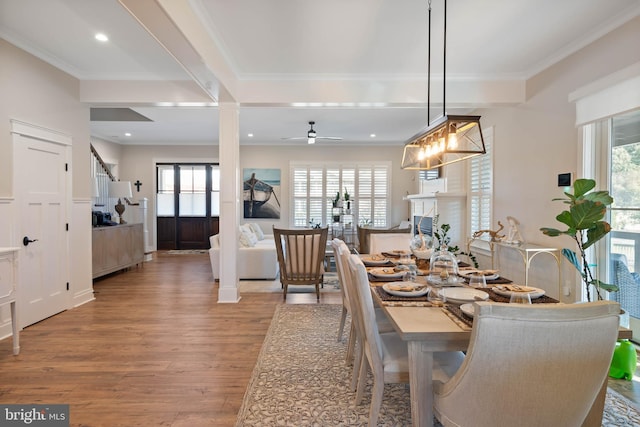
(520, 298)
(477, 280)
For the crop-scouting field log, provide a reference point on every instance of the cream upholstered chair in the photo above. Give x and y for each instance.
(301, 256)
(354, 344)
(385, 354)
(531, 365)
(387, 242)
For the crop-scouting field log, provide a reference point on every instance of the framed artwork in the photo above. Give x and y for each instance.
(261, 193)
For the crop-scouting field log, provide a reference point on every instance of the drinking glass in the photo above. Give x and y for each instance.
(520, 298)
(437, 295)
(477, 280)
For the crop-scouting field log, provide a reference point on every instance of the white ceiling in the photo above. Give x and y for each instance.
(355, 67)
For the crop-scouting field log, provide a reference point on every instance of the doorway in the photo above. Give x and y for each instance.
(624, 244)
(188, 204)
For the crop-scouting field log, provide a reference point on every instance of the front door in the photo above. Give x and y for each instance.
(40, 187)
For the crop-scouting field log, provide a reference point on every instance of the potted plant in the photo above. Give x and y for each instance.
(585, 225)
(346, 198)
(440, 233)
(337, 202)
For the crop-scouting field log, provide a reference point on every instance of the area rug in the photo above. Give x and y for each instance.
(331, 284)
(187, 251)
(301, 379)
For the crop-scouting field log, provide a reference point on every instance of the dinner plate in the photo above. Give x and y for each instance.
(464, 295)
(375, 260)
(386, 272)
(505, 291)
(488, 274)
(468, 309)
(401, 289)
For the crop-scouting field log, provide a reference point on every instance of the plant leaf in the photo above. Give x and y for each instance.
(597, 232)
(567, 218)
(606, 286)
(585, 213)
(552, 232)
(583, 186)
(599, 196)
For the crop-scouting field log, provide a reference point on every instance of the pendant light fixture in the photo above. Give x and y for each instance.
(448, 139)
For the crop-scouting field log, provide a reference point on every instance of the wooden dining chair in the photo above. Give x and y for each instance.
(531, 365)
(385, 354)
(301, 255)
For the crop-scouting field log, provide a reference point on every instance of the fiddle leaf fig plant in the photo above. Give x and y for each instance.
(585, 225)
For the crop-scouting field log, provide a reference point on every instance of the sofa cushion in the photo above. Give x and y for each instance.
(248, 239)
(257, 230)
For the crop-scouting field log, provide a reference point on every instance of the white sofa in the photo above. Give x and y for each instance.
(257, 258)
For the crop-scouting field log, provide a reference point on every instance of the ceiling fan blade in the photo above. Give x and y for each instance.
(331, 138)
(295, 138)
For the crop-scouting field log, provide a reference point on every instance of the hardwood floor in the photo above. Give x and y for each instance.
(154, 349)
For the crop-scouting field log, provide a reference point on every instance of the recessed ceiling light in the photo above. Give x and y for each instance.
(373, 135)
(127, 134)
(250, 135)
(102, 37)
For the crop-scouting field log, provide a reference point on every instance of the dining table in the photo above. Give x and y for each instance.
(430, 327)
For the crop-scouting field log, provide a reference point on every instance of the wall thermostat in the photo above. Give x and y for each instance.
(564, 180)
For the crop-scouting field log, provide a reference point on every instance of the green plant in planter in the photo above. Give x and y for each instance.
(346, 194)
(441, 235)
(586, 225)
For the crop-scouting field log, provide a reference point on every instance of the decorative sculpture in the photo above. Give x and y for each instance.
(513, 236)
(495, 237)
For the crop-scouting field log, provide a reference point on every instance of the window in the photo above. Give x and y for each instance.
(191, 183)
(481, 186)
(316, 186)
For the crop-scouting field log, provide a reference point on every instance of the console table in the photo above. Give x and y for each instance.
(8, 285)
(528, 252)
(116, 248)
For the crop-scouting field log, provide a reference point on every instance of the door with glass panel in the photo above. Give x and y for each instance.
(188, 205)
(624, 247)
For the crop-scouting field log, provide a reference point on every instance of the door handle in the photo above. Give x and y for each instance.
(26, 241)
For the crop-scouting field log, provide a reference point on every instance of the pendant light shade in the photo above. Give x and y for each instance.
(448, 139)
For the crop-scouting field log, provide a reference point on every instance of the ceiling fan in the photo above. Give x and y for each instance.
(312, 136)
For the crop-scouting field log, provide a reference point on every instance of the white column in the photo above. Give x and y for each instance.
(229, 153)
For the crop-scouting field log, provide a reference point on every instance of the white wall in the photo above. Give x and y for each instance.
(138, 162)
(538, 140)
(39, 94)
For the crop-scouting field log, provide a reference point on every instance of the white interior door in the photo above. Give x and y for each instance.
(40, 187)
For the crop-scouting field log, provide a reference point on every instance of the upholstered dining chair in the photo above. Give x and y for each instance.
(301, 254)
(354, 344)
(385, 354)
(387, 242)
(530, 365)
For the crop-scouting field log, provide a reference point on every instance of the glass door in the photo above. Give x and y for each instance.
(624, 247)
(188, 205)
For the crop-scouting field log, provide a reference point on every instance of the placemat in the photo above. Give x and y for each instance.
(373, 278)
(373, 264)
(396, 301)
(544, 299)
(459, 318)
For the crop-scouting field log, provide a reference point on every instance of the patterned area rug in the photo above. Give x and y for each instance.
(331, 284)
(187, 251)
(301, 379)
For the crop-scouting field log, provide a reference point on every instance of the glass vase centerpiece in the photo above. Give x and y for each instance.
(443, 267)
(421, 246)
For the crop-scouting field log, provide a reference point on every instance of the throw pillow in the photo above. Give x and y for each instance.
(257, 230)
(248, 240)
